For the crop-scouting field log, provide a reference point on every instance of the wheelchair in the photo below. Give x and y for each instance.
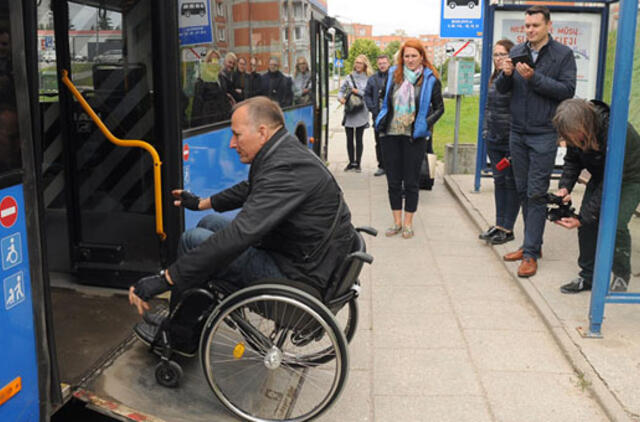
(272, 351)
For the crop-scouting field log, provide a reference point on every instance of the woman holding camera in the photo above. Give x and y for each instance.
(584, 125)
(495, 131)
(412, 105)
(356, 120)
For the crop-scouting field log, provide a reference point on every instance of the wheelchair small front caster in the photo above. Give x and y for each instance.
(168, 373)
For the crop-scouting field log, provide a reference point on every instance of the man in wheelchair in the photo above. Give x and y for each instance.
(293, 224)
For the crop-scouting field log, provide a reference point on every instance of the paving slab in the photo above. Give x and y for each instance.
(609, 366)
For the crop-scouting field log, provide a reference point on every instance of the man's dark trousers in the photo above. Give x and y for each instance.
(588, 235)
(533, 157)
(378, 148)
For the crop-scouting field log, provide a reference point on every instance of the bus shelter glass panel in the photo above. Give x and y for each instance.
(255, 48)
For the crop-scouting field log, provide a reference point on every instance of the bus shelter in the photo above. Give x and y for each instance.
(585, 28)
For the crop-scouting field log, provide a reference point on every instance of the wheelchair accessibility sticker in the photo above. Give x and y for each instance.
(11, 251)
(13, 290)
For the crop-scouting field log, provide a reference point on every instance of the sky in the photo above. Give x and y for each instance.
(414, 16)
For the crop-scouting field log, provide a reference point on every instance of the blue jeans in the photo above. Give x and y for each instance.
(533, 158)
(505, 194)
(252, 265)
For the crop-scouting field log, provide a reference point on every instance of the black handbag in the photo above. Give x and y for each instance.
(354, 102)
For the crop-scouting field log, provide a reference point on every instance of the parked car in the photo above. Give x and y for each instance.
(469, 3)
(110, 57)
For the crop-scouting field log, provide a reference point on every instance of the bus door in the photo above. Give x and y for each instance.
(328, 43)
(99, 197)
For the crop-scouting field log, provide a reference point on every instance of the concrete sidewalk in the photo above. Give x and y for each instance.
(445, 334)
(609, 365)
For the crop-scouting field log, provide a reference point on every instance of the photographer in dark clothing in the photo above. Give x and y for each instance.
(373, 97)
(584, 125)
(293, 221)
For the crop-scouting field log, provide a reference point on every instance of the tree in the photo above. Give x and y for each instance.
(104, 23)
(362, 46)
(391, 49)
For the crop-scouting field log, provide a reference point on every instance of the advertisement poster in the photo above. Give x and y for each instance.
(194, 21)
(579, 31)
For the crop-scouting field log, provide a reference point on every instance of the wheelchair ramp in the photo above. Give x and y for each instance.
(126, 389)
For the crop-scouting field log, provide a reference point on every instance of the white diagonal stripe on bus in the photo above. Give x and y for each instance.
(53, 151)
(51, 115)
(124, 185)
(113, 119)
(111, 161)
(54, 188)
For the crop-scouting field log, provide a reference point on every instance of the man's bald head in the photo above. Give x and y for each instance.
(262, 111)
(253, 123)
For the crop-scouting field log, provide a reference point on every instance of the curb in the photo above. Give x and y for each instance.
(595, 384)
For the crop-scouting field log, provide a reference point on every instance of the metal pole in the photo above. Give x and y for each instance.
(456, 135)
(487, 50)
(614, 162)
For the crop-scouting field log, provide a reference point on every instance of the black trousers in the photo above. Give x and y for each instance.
(378, 149)
(354, 156)
(403, 158)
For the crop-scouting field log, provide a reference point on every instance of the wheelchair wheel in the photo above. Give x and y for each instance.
(255, 369)
(168, 373)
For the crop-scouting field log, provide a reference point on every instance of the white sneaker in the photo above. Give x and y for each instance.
(619, 284)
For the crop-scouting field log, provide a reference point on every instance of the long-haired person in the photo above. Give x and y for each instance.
(355, 122)
(495, 131)
(584, 125)
(302, 82)
(412, 104)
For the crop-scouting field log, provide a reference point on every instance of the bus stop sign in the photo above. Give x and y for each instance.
(461, 18)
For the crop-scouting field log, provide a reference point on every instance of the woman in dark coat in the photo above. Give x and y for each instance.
(495, 131)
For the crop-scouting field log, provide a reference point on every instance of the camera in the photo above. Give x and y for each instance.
(556, 209)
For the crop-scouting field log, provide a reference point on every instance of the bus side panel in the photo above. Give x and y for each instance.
(18, 351)
(210, 166)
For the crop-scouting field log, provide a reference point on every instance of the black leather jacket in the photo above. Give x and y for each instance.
(288, 206)
(594, 161)
(374, 92)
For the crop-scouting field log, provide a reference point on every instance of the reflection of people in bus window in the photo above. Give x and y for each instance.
(210, 103)
(9, 140)
(227, 75)
(302, 82)
(253, 80)
(275, 85)
(240, 79)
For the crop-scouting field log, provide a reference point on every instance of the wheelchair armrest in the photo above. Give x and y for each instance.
(361, 256)
(368, 230)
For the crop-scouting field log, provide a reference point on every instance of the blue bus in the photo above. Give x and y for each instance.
(80, 218)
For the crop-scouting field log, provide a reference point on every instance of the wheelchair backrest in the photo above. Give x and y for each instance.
(349, 270)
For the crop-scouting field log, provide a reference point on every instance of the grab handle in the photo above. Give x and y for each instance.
(157, 180)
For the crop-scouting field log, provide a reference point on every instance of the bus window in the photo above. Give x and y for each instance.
(9, 136)
(268, 56)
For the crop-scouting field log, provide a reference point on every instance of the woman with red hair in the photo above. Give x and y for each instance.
(412, 104)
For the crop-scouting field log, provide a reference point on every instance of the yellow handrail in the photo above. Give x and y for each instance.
(157, 180)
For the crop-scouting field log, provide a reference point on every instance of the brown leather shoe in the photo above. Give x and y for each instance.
(528, 267)
(514, 256)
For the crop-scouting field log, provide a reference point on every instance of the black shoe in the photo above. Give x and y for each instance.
(357, 168)
(619, 284)
(501, 237)
(576, 285)
(489, 233)
(156, 318)
(146, 332)
(379, 172)
(350, 167)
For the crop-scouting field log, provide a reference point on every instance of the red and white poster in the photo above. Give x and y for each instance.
(8, 211)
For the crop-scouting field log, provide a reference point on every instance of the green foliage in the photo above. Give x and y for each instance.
(362, 46)
(444, 128)
(391, 50)
(634, 104)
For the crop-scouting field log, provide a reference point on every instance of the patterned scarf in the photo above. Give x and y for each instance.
(404, 102)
